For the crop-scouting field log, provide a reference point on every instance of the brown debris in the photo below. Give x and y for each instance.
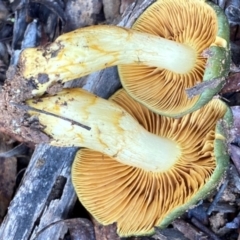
(14, 121)
(232, 84)
(105, 232)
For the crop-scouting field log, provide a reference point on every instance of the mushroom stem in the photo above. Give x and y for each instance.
(89, 49)
(111, 130)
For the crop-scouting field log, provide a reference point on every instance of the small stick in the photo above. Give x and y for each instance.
(217, 197)
(201, 87)
(28, 108)
(204, 229)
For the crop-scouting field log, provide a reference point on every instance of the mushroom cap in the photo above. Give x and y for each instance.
(196, 24)
(136, 199)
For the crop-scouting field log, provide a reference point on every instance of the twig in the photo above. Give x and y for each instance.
(201, 87)
(204, 229)
(28, 108)
(217, 197)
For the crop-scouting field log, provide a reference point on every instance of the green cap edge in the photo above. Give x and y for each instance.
(222, 164)
(218, 64)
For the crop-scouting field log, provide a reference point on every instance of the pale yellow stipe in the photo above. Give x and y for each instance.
(109, 129)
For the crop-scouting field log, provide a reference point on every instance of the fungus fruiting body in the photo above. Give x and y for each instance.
(199, 26)
(139, 169)
(174, 45)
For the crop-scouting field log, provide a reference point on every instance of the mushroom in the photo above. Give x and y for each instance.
(139, 169)
(174, 45)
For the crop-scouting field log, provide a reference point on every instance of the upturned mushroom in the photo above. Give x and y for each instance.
(174, 45)
(139, 169)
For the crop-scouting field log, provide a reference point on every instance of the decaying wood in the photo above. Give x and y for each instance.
(81, 13)
(36, 203)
